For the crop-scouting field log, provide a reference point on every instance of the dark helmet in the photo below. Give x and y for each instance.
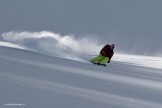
(112, 46)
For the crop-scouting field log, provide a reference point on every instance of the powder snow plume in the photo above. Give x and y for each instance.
(54, 44)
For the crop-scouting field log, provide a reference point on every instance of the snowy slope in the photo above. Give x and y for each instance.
(32, 80)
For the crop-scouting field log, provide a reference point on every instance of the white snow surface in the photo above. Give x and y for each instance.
(140, 60)
(11, 45)
(32, 80)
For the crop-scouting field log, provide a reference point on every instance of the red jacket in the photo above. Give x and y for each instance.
(107, 51)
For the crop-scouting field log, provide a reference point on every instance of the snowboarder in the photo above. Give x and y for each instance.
(105, 55)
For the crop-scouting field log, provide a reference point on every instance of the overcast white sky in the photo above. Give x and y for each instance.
(133, 25)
